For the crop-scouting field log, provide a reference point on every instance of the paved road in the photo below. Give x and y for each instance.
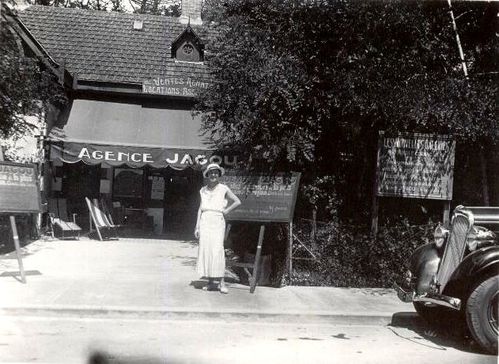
(131, 340)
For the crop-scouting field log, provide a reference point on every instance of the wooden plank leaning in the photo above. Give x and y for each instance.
(255, 266)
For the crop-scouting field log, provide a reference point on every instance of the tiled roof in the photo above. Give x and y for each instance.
(102, 46)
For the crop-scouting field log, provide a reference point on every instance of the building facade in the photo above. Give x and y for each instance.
(127, 135)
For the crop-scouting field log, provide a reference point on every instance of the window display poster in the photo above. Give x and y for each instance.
(157, 188)
(128, 182)
(105, 186)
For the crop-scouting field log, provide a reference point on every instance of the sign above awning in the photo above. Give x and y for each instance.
(174, 86)
(113, 134)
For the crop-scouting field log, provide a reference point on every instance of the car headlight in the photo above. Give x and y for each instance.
(408, 278)
(472, 244)
(479, 237)
(440, 235)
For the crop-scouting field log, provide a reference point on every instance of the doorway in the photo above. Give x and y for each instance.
(181, 202)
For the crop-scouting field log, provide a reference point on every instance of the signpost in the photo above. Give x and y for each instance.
(19, 193)
(414, 166)
(264, 199)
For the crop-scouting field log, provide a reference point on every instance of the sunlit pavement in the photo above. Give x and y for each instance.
(157, 278)
(76, 340)
(139, 301)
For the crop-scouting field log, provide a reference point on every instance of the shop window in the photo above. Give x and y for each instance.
(128, 183)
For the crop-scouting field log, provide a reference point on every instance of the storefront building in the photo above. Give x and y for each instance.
(128, 135)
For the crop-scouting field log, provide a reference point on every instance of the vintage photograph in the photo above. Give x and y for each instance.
(249, 181)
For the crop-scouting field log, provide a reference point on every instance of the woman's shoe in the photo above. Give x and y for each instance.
(210, 287)
(223, 289)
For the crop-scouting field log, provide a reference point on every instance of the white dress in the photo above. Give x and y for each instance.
(211, 255)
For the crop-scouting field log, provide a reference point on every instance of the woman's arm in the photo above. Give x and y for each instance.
(196, 229)
(235, 202)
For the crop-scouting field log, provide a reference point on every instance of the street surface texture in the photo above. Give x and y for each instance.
(30, 339)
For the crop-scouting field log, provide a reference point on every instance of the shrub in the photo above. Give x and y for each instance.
(347, 256)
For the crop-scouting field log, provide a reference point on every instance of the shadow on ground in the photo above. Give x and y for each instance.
(203, 282)
(17, 274)
(102, 357)
(437, 337)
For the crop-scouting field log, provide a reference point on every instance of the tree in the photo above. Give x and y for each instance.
(156, 7)
(105, 5)
(26, 88)
(308, 84)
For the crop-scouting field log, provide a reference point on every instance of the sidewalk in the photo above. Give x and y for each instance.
(153, 278)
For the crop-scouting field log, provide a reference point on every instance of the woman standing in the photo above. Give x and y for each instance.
(210, 227)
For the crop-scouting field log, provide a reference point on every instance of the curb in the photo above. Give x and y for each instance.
(404, 319)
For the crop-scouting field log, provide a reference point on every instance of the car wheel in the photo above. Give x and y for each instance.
(481, 313)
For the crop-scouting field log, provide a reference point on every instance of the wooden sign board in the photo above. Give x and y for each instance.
(264, 198)
(416, 166)
(19, 191)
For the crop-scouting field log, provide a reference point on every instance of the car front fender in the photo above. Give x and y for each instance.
(423, 266)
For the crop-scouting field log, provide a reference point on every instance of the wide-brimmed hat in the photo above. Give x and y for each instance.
(211, 167)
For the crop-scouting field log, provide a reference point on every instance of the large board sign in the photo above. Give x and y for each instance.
(416, 166)
(19, 192)
(265, 198)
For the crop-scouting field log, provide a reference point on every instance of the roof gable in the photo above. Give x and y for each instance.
(188, 46)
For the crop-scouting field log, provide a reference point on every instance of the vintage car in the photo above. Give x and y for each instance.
(456, 277)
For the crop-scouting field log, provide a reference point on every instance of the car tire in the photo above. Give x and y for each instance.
(481, 313)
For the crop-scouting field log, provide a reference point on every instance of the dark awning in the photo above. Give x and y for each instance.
(110, 133)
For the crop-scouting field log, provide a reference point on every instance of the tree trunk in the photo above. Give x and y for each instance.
(485, 182)
(314, 225)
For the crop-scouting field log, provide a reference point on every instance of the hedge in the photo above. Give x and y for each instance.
(347, 256)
